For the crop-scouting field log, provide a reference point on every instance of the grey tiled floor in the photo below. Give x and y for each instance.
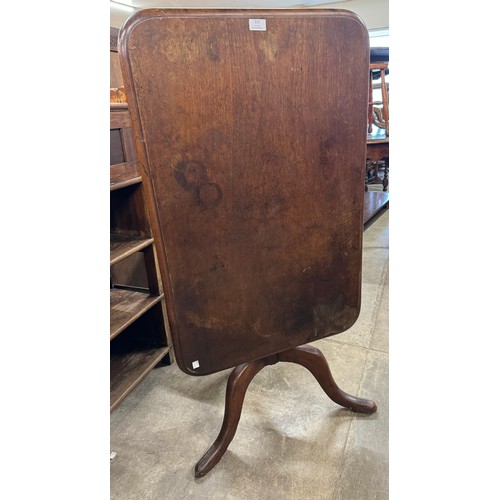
(292, 442)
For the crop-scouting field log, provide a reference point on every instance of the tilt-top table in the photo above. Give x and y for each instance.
(250, 127)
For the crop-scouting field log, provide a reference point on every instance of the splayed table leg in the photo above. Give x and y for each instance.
(240, 378)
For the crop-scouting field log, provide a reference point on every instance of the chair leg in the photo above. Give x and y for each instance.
(370, 104)
(385, 180)
(385, 101)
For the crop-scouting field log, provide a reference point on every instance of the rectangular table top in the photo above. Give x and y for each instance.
(251, 131)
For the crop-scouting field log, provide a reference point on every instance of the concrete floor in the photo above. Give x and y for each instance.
(292, 441)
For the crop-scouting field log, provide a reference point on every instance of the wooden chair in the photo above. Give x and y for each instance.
(377, 155)
(379, 116)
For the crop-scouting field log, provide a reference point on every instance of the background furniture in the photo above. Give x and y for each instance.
(377, 173)
(251, 126)
(377, 147)
(375, 202)
(379, 116)
(379, 69)
(139, 331)
(377, 156)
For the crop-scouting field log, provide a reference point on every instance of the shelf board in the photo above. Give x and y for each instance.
(127, 306)
(118, 105)
(122, 246)
(129, 368)
(119, 118)
(124, 174)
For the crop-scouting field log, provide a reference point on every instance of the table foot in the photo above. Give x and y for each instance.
(236, 389)
(239, 380)
(313, 359)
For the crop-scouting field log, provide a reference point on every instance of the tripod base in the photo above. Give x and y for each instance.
(307, 356)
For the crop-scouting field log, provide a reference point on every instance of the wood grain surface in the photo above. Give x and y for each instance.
(253, 148)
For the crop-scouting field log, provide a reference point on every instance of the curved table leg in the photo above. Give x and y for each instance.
(313, 359)
(307, 356)
(236, 389)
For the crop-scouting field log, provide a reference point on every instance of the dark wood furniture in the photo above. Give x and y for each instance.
(139, 331)
(309, 357)
(251, 126)
(377, 162)
(377, 172)
(375, 202)
(377, 147)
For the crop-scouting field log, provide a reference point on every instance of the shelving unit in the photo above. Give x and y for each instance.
(139, 332)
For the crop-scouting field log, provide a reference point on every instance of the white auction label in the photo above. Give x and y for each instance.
(257, 24)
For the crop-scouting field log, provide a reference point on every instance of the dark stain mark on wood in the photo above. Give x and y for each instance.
(191, 176)
(213, 49)
(208, 195)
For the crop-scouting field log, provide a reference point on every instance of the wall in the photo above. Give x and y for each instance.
(375, 13)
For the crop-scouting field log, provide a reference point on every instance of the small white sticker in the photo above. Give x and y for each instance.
(196, 364)
(257, 24)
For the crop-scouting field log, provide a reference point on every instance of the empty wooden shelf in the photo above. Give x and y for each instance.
(128, 369)
(139, 329)
(124, 174)
(127, 306)
(122, 246)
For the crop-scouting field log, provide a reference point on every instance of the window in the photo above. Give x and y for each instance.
(379, 37)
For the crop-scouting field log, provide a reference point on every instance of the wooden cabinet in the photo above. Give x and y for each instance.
(139, 331)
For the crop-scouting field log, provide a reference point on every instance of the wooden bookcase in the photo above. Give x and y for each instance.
(139, 331)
